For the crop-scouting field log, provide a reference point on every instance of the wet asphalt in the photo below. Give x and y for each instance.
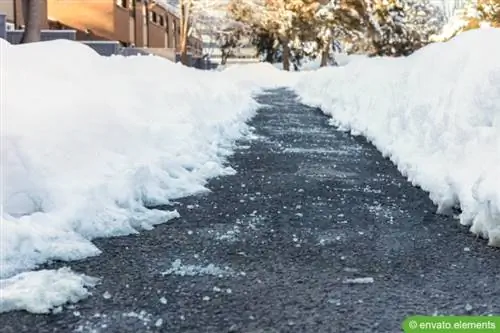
(316, 232)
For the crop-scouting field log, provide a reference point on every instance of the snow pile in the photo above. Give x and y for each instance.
(341, 59)
(40, 291)
(88, 142)
(261, 75)
(436, 114)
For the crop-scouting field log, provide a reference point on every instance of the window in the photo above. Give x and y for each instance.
(162, 20)
(154, 17)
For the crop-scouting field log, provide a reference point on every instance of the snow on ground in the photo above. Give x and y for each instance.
(40, 291)
(178, 268)
(87, 142)
(342, 59)
(261, 75)
(436, 114)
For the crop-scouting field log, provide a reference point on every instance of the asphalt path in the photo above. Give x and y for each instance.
(316, 232)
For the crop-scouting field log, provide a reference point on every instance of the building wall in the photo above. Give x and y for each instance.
(157, 25)
(156, 36)
(94, 17)
(14, 13)
(121, 24)
(170, 31)
(129, 22)
(140, 37)
(7, 7)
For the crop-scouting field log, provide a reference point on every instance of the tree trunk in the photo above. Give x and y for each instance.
(286, 55)
(324, 58)
(32, 20)
(325, 53)
(185, 6)
(269, 56)
(224, 57)
(184, 54)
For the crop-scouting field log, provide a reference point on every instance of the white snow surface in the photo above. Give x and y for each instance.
(342, 59)
(262, 75)
(435, 114)
(178, 268)
(87, 142)
(43, 290)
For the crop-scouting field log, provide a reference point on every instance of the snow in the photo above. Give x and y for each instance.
(435, 114)
(261, 75)
(89, 142)
(178, 268)
(44, 290)
(359, 280)
(342, 59)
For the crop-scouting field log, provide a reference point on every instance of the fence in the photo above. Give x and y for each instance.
(14, 36)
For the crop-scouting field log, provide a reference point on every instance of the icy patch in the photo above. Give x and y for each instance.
(328, 237)
(243, 226)
(326, 171)
(386, 212)
(141, 315)
(141, 320)
(228, 236)
(381, 211)
(321, 151)
(360, 280)
(195, 270)
(44, 290)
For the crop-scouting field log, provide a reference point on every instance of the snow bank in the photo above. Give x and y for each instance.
(261, 75)
(436, 114)
(87, 142)
(342, 59)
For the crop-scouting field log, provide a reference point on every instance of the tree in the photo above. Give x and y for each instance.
(186, 7)
(450, 7)
(32, 20)
(193, 14)
(473, 15)
(399, 27)
(231, 37)
(276, 21)
(484, 12)
(334, 20)
(490, 12)
(266, 45)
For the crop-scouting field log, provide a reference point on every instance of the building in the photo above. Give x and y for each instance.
(146, 26)
(14, 14)
(143, 24)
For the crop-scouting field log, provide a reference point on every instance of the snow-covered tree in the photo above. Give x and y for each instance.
(403, 26)
(483, 12)
(474, 14)
(276, 22)
(193, 15)
(230, 37)
(338, 20)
